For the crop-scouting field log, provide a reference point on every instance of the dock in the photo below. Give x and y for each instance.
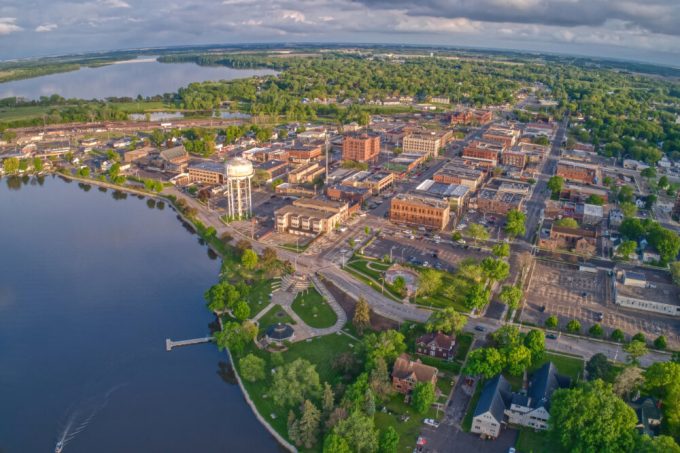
(169, 344)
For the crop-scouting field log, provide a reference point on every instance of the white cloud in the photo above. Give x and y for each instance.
(8, 25)
(44, 28)
(115, 3)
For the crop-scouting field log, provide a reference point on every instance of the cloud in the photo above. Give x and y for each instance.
(45, 28)
(656, 16)
(115, 3)
(7, 25)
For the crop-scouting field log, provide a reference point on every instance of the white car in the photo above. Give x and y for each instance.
(431, 422)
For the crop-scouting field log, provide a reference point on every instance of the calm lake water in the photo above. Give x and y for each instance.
(90, 287)
(143, 76)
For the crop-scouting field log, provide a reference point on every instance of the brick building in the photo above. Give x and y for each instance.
(428, 143)
(273, 168)
(361, 147)
(306, 173)
(578, 240)
(492, 201)
(208, 172)
(420, 211)
(457, 172)
(484, 152)
(303, 153)
(579, 172)
(406, 373)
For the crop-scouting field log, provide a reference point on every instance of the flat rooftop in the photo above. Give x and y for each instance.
(208, 165)
(667, 293)
(442, 190)
(420, 199)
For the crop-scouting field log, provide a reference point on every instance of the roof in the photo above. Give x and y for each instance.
(439, 339)
(648, 413)
(405, 368)
(174, 153)
(543, 383)
(208, 165)
(439, 189)
(421, 200)
(494, 398)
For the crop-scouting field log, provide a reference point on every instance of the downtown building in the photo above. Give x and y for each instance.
(361, 147)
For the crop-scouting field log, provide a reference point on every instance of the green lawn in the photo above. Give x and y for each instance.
(361, 265)
(439, 299)
(371, 283)
(408, 430)
(530, 441)
(259, 296)
(463, 341)
(275, 315)
(313, 309)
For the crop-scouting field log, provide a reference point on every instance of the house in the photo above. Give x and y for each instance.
(533, 409)
(490, 411)
(406, 374)
(437, 345)
(648, 413)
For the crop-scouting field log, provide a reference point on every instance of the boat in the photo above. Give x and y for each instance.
(59, 447)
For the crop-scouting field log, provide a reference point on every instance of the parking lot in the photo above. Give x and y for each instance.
(562, 290)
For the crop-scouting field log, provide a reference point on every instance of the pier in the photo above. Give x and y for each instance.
(169, 344)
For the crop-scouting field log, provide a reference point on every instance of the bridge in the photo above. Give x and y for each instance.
(169, 344)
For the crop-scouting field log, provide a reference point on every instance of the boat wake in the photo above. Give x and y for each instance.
(78, 418)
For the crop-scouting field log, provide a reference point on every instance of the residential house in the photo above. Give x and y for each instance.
(437, 345)
(490, 411)
(406, 373)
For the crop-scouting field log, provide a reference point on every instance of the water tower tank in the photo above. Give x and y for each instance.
(239, 167)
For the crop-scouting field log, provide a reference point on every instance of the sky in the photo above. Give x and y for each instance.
(645, 30)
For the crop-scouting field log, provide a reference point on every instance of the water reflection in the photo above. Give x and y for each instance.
(151, 203)
(84, 186)
(226, 372)
(119, 195)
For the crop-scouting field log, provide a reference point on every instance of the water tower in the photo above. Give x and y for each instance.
(239, 173)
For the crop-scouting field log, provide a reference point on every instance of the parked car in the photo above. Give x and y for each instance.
(551, 336)
(431, 422)
(480, 328)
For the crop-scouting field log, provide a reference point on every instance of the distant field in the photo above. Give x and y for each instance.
(36, 111)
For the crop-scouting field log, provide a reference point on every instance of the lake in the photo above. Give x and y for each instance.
(143, 76)
(91, 285)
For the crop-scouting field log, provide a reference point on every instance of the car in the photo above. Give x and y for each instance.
(480, 328)
(584, 294)
(511, 450)
(431, 422)
(551, 336)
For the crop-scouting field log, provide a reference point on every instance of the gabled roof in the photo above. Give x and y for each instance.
(495, 398)
(174, 153)
(439, 339)
(405, 368)
(543, 383)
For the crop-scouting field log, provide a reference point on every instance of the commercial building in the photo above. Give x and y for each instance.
(406, 374)
(424, 143)
(273, 168)
(457, 172)
(306, 173)
(375, 182)
(582, 241)
(265, 154)
(471, 116)
(420, 211)
(638, 291)
(303, 153)
(514, 158)
(507, 136)
(207, 172)
(139, 153)
(455, 194)
(340, 192)
(404, 163)
(361, 147)
(509, 185)
(578, 172)
(580, 194)
(310, 217)
(492, 201)
(175, 159)
(486, 153)
(440, 100)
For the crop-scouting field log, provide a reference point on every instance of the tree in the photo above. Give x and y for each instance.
(626, 248)
(447, 320)
(660, 342)
(551, 322)
(650, 201)
(309, 424)
(617, 335)
(675, 272)
(495, 269)
(369, 403)
(235, 336)
(293, 428)
(249, 259)
(486, 362)
(429, 282)
(335, 444)
(555, 184)
(388, 344)
(535, 342)
(38, 164)
(10, 165)
(649, 172)
(252, 368)
(574, 326)
(477, 232)
(359, 431)
(269, 257)
(362, 316)
(598, 367)
(215, 297)
(501, 250)
(567, 222)
(628, 209)
(327, 400)
(635, 350)
(399, 285)
(294, 382)
(517, 359)
(389, 441)
(628, 379)
(656, 444)
(379, 380)
(506, 336)
(639, 337)
(596, 330)
(595, 200)
(663, 378)
(84, 172)
(241, 310)
(423, 396)
(591, 418)
(477, 297)
(511, 296)
(515, 223)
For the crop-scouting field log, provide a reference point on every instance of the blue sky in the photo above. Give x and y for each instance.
(643, 30)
